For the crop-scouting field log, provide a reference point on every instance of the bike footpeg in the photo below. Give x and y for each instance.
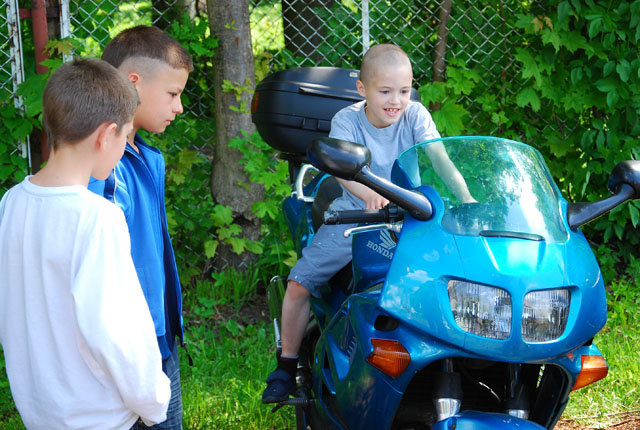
(294, 401)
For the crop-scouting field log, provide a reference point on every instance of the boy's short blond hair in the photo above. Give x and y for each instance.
(136, 45)
(82, 95)
(379, 55)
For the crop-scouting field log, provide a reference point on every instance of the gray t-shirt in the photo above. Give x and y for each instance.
(385, 144)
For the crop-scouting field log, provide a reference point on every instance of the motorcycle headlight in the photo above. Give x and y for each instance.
(480, 309)
(544, 315)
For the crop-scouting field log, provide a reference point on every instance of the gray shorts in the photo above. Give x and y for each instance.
(328, 252)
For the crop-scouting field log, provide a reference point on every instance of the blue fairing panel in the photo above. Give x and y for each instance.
(472, 420)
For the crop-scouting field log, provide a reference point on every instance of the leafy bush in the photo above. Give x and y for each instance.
(576, 101)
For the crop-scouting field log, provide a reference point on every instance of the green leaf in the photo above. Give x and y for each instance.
(529, 65)
(449, 118)
(499, 118)
(462, 81)
(237, 244)
(234, 229)
(586, 182)
(553, 38)
(574, 41)
(254, 247)
(210, 247)
(607, 84)
(432, 92)
(222, 215)
(528, 96)
(291, 260)
(558, 147)
(564, 10)
(5, 172)
(619, 230)
(576, 75)
(635, 214)
(612, 98)
(595, 26)
(608, 40)
(624, 70)
(600, 139)
(577, 5)
(23, 129)
(608, 68)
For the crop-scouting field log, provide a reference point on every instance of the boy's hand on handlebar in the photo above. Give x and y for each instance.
(372, 199)
(375, 201)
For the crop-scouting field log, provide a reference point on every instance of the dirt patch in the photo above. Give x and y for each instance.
(254, 311)
(622, 421)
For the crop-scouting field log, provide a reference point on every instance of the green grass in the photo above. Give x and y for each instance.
(232, 359)
(618, 341)
(223, 388)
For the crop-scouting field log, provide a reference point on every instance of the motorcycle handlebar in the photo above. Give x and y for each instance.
(388, 214)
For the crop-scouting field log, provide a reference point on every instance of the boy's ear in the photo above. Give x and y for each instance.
(360, 87)
(103, 134)
(134, 78)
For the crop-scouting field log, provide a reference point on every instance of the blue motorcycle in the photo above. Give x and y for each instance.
(453, 314)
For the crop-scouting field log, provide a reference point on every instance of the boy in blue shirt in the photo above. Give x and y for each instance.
(387, 122)
(158, 66)
(78, 338)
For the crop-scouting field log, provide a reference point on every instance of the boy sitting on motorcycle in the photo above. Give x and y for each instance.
(387, 122)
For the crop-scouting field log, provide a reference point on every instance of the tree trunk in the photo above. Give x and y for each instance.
(302, 26)
(440, 54)
(229, 22)
(165, 12)
(441, 44)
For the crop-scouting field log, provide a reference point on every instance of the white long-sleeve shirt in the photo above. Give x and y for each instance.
(78, 339)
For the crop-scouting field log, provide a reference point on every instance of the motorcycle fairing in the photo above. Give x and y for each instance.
(515, 237)
(472, 420)
(420, 297)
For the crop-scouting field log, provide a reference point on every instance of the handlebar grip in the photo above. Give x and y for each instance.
(389, 213)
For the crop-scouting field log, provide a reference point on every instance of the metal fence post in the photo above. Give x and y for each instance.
(65, 26)
(17, 66)
(365, 26)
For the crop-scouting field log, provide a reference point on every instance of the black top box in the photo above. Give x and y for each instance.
(292, 107)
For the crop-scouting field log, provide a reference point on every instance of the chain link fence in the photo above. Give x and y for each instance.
(292, 33)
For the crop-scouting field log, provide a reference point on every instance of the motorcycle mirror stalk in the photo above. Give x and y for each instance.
(624, 183)
(350, 161)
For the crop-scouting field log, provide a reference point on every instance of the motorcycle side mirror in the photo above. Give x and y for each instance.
(337, 157)
(624, 183)
(626, 172)
(350, 161)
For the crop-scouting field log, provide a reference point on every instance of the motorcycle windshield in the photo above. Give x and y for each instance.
(490, 187)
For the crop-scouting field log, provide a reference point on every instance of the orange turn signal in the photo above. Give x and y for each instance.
(594, 368)
(389, 356)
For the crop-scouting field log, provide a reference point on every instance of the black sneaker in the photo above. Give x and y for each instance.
(280, 384)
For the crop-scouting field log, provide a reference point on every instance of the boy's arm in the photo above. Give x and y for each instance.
(371, 199)
(425, 129)
(448, 172)
(342, 127)
(120, 344)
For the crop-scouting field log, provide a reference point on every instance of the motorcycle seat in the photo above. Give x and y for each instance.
(343, 279)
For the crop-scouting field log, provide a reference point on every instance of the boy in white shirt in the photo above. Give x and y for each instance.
(78, 339)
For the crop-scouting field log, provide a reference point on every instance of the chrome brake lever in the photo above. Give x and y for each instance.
(396, 228)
